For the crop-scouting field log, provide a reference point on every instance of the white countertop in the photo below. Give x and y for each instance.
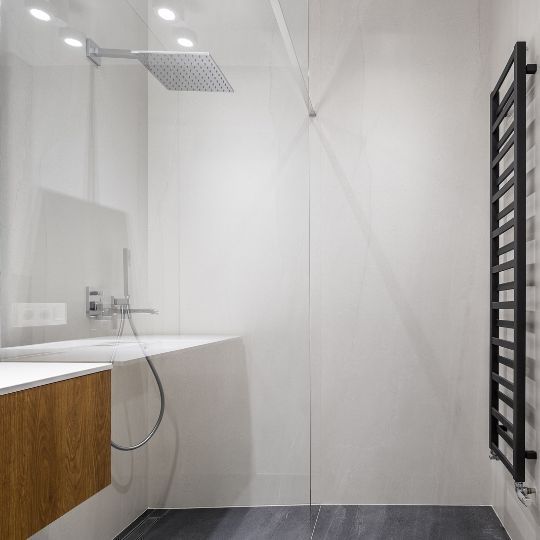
(102, 349)
(15, 376)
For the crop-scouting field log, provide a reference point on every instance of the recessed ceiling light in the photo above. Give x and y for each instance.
(40, 14)
(185, 42)
(166, 14)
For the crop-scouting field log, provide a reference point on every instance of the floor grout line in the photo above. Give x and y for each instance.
(316, 521)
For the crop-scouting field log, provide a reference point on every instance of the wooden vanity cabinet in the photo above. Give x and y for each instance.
(55, 451)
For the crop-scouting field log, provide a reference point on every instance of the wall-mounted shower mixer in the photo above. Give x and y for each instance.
(97, 309)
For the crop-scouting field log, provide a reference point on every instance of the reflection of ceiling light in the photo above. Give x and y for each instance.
(47, 11)
(72, 42)
(171, 11)
(40, 14)
(166, 14)
(185, 42)
(71, 37)
(187, 38)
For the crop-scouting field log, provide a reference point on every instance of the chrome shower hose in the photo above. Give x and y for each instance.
(126, 314)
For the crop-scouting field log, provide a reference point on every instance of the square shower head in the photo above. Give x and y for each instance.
(185, 71)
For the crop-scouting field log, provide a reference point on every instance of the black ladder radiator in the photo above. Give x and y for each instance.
(508, 268)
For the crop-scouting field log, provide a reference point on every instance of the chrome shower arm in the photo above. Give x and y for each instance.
(96, 53)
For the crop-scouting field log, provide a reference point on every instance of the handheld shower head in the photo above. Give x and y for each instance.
(180, 71)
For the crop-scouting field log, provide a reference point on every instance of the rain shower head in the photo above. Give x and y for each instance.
(181, 71)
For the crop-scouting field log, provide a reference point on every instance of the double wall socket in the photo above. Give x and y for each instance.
(38, 314)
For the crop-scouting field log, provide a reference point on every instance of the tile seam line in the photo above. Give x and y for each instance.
(316, 521)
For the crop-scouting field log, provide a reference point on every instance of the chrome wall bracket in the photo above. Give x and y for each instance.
(95, 53)
(92, 51)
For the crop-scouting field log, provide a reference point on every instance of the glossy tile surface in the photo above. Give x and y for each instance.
(324, 522)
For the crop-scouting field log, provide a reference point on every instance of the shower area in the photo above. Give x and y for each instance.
(267, 204)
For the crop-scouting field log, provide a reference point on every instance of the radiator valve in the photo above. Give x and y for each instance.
(526, 495)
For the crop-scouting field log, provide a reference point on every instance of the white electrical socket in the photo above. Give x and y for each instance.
(38, 314)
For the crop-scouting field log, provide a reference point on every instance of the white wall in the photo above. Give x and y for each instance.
(506, 23)
(399, 287)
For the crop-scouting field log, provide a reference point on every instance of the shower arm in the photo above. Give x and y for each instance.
(96, 53)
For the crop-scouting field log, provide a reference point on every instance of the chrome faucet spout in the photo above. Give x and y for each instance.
(151, 311)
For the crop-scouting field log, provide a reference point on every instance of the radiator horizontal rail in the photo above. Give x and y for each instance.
(505, 99)
(503, 228)
(505, 136)
(505, 174)
(503, 190)
(506, 286)
(502, 114)
(503, 382)
(505, 211)
(510, 304)
(505, 398)
(502, 323)
(506, 437)
(503, 152)
(505, 361)
(502, 419)
(508, 265)
(503, 343)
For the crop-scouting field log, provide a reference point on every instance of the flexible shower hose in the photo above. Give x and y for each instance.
(125, 313)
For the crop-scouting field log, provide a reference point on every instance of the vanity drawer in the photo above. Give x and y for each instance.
(54, 451)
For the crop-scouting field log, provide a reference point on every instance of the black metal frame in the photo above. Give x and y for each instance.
(506, 216)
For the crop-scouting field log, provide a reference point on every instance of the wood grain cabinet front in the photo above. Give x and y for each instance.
(54, 451)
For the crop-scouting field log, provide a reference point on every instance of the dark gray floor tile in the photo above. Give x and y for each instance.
(270, 522)
(408, 523)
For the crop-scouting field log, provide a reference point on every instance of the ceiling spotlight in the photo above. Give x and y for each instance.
(166, 14)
